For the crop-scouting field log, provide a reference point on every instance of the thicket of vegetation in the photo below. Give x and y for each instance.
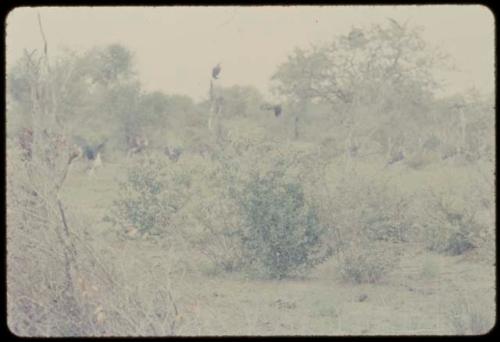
(269, 197)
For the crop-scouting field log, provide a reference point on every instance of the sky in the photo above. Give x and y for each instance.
(175, 48)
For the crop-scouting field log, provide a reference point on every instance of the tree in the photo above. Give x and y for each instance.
(241, 101)
(110, 64)
(281, 233)
(92, 89)
(384, 68)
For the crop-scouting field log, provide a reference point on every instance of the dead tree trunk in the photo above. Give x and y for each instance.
(51, 158)
(463, 125)
(299, 110)
(296, 127)
(215, 107)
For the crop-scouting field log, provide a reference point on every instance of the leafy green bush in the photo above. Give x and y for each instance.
(365, 261)
(281, 233)
(451, 224)
(153, 193)
(366, 220)
(376, 208)
(214, 230)
(216, 209)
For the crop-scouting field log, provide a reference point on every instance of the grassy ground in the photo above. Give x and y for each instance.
(426, 294)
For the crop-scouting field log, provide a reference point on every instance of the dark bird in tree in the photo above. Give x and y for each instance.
(174, 154)
(397, 25)
(137, 144)
(89, 152)
(97, 149)
(356, 38)
(398, 157)
(449, 152)
(277, 109)
(26, 142)
(355, 33)
(216, 71)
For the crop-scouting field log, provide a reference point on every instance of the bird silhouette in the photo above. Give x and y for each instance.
(356, 38)
(277, 109)
(396, 24)
(174, 154)
(89, 152)
(398, 157)
(356, 34)
(216, 71)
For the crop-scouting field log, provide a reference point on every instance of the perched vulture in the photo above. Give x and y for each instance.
(89, 152)
(356, 38)
(396, 24)
(99, 147)
(277, 110)
(174, 154)
(216, 71)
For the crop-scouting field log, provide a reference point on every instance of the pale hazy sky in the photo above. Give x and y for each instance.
(175, 48)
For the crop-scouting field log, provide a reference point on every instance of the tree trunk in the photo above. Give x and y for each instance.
(296, 127)
(300, 109)
(463, 124)
(389, 147)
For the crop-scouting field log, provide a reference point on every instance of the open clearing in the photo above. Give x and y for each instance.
(417, 298)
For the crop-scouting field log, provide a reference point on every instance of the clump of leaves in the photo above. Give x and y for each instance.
(364, 261)
(451, 224)
(367, 220)
(152, 194)
(281, 233)
(377, 210)
(217, 217)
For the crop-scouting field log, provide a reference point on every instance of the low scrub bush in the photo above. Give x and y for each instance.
(155, 190)
(366, 261)
(62, 283)
(281, 233)
(377, 210)
(366, 219)
(185, 201)
(217, 218)
(467, 316)
(421, 159)
(451, 223)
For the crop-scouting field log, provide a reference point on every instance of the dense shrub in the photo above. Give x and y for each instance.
(281, 233)
(366, 220)
(376, 208)
(153, 193)
(452, 224)
(365, 261)
(216, 215)
(185, 201)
